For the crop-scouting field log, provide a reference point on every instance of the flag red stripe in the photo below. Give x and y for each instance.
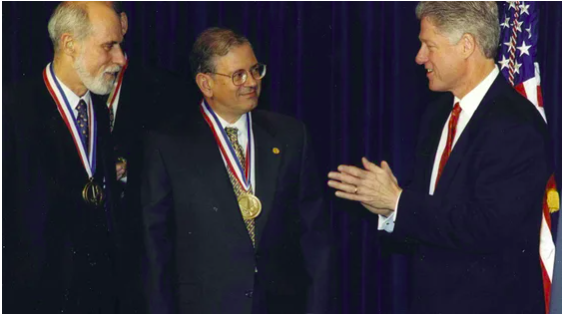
(521, 90)
(546, 287)
(540, 97)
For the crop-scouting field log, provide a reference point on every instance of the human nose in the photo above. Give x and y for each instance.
(422, 55)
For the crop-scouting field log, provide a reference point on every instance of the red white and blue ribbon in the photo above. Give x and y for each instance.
(227, 151)
(65, 109)
(116, 90)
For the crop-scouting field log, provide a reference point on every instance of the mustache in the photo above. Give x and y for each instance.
(113, 69)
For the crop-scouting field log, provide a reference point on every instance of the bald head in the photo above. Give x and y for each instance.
(103, 18)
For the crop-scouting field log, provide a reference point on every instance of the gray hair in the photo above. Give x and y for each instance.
(213, 42)
(455, 18)
(69, 18)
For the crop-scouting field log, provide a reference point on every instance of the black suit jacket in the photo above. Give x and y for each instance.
(201, 258)
(149, 99)
(476, 240)
(47, 228)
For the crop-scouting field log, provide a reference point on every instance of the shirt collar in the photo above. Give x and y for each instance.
(72, 98)
(471, 101)
(240, 124)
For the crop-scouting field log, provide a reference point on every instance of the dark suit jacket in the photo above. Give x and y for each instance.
(149, 99)
(476, 240)
(201, 258)
(48, 230)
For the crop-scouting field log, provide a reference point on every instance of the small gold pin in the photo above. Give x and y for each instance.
(276, 150)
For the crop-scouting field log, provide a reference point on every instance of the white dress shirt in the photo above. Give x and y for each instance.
(74, 99)
(240, 124)
(468, 105)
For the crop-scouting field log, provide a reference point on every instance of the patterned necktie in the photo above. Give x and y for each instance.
(82, 121)
(452, 127)
(232, 133)
(111, 117)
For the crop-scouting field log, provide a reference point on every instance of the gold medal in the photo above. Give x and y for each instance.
(250, 206)
(92, 193)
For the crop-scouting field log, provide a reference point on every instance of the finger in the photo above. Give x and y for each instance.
(353, 197)
(385, 166)
(370, 166)
(343, 187)
(352, 170)
(345, 178)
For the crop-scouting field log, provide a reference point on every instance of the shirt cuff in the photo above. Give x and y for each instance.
(387, 224)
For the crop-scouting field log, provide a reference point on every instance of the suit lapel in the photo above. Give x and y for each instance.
(63, 140)
(464, 141)
(267, 167)
(211, 172)
(105, 163)
(59, 133)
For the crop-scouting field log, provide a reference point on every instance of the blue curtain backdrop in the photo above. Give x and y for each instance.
(346, 69)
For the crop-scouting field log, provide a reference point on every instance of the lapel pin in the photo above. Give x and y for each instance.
(276, 150)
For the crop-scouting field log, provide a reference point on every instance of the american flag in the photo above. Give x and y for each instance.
(517, 61)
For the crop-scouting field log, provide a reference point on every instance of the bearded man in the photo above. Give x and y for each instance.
(59, 234)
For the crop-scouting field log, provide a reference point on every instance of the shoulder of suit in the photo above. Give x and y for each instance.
(25, 96)
(510, 107)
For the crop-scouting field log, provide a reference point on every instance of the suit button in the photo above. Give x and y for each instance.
(248, 294)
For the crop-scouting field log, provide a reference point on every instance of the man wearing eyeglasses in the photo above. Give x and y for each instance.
(232, 205)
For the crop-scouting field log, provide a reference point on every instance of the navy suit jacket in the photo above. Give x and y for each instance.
(201, 259)
(475, 242)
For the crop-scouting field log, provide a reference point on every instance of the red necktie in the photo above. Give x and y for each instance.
(452, 127)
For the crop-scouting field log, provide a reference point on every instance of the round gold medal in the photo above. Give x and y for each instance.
(250, 206)
(92, 193)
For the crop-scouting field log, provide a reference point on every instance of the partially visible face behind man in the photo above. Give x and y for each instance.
(442, 60)
(229, 97)
(100, 56)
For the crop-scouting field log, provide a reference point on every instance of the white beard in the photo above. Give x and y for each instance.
(97, 85)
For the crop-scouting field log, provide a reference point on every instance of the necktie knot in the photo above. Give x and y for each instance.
(232, 133)
(457, 110)
(81, 107)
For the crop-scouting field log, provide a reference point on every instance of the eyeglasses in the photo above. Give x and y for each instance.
(239, 77)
